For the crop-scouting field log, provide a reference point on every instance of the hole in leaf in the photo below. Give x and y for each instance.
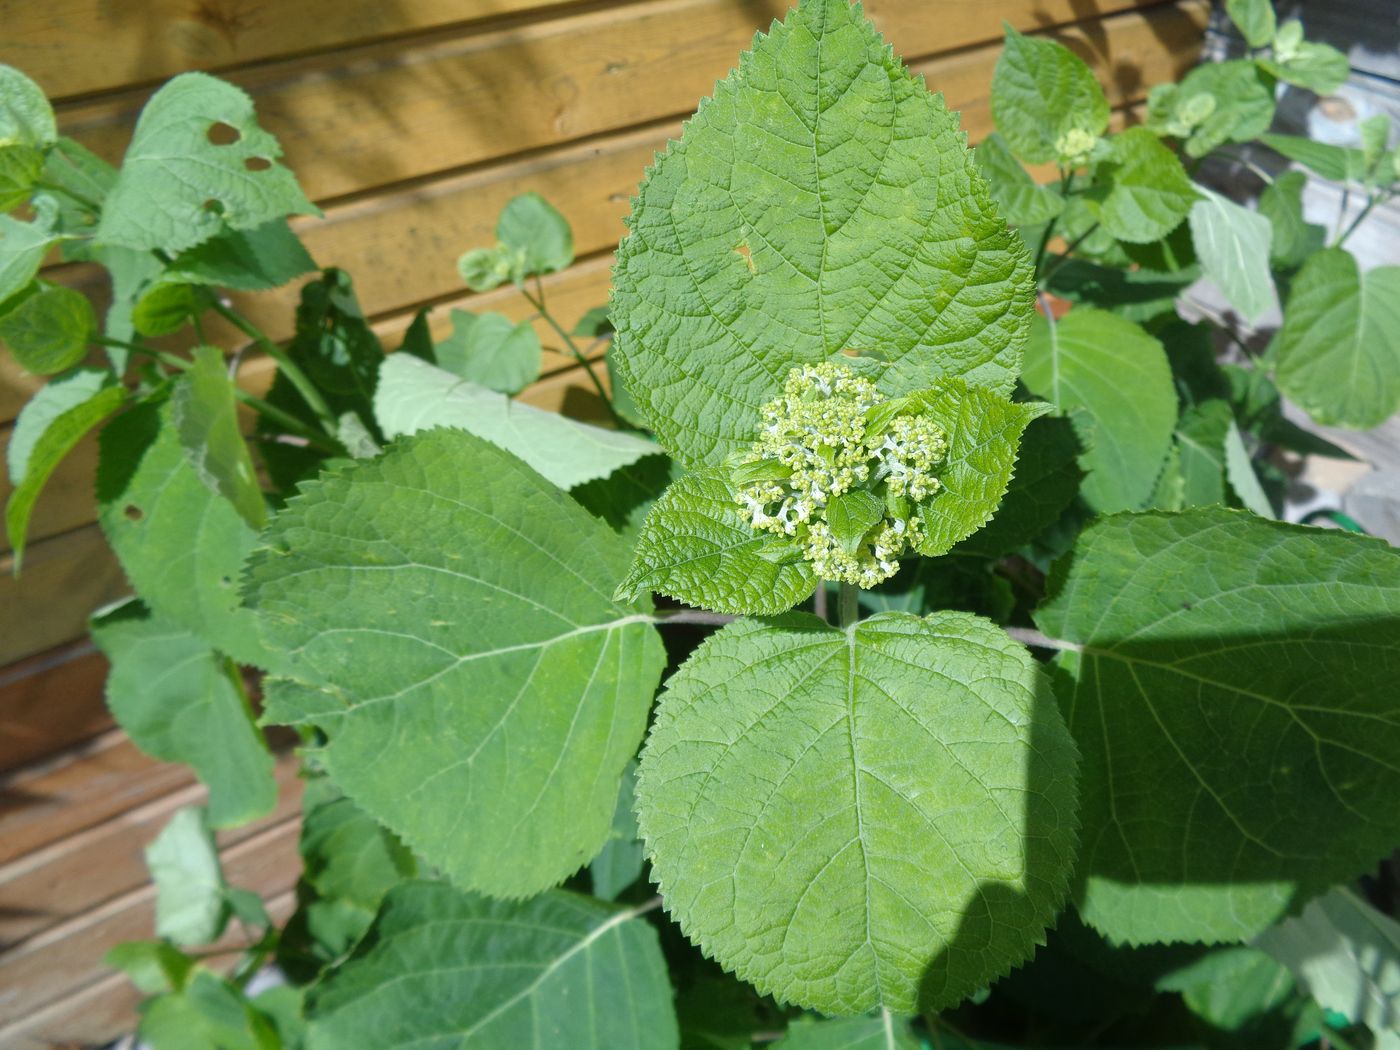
(133, 512)
(221, 134)
(215, 206)
(257, 163)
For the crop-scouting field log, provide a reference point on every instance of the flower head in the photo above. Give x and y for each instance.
(840, 475)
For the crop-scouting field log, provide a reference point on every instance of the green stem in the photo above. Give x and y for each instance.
(1064, 257)
(164, 357)
(1066, 182)
(290, 422)
(849, 605)
(77, 198)
(537, 301)
(1370, 203)
(294, 374)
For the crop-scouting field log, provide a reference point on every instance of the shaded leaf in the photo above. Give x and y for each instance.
(266, 256)
(205, 414)
(619, 863)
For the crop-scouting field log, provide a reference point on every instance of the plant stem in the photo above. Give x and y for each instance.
(693, 616)
(819, 601)
(164, 357)
(1342, 213)
(1066, 181)
(294, 374)
(1046, 309)
(1064, 256)
(848, 605)
(1030, 636)
(77, 198)
(537, 301)
(1371, 202)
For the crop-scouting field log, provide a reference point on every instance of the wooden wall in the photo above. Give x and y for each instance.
(411, 122)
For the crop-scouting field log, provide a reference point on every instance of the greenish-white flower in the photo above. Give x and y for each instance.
(842, 470)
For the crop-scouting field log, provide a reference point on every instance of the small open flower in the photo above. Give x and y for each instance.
(840, 469)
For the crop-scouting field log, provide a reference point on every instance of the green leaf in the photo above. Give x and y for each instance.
(1144, 193)
(485, 268)
(1347, 955)
(48, 428)
(594, 324)
(1200, 441)
(153, 966)
(267, 256)
(1139, 295)
(1320, 68)
(619, 863)
(184, 863)
(624, 498)
(162, 308)
(1338, 352)
(1046, 480)
(198, 163)
(20, 168)
(414, 396)
(1231, 989)
(442, 968)
(180, 543)
(1233, 244)
(349, 857)
(491, 350)
(448, 611)
(852, 514)
(984, 431)
(81, 181)
(1239, 468)
(1255, 19)
(699, 547)
(48, 331)
(1234, 703)
(180, 701)
(208, 1014)
(1043, 93)
(849, 819)
(205, 414)
(1331, 162)
(536, 235)
(1294, 238)
(821, 200)
(1236, 97)
(1023, 201)
(1119, 377)
(23, 246)
(26, 118)
(882, 1032)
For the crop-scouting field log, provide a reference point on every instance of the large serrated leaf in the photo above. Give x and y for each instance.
(1118, 375)
(1339, 348)
(1236, 709)
(446, 969)
(848, 819)
(197, 163)
(180, 543)
(176, 699)
(1023, 201)
(413, 395)
(698, 546)
(449, 613)
(821, 200)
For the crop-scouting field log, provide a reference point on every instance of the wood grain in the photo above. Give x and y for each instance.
(50, 702)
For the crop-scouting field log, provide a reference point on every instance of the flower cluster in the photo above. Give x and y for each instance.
(841, 470)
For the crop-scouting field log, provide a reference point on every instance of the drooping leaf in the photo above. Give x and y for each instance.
(1347, 955)
(1233, 989)
(1201, 459)
(1119, 377)
(198, 163)
(23, 246)
(1239, 469)
(180, 543)
(1233, 244)
(821, 200)
(414, 396)
(536, 235)
(189, 880)
(491, 350)
(882, 1032)
(26, 118)
(448, 611)
(1337, 163)
(1294, 238)
(205, 414)
(444, 968)
(1046, 480)
(899, 797)
(1235, 709)
(699, 547)
(619, 863)
(1023, 201)
(49, 426)
(1255, 19)
(1145, 192)
(1042, 94)
(179, 701)
(1338, 352)
(266, 256)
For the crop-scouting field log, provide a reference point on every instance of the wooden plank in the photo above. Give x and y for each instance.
(155, 39)
(99, 1012)
(401, 110)
(80, 872)
(47, 968)
(50, 702)
(65, 580)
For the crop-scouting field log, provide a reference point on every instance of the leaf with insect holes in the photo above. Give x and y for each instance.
(822, 200)
(197, 164)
